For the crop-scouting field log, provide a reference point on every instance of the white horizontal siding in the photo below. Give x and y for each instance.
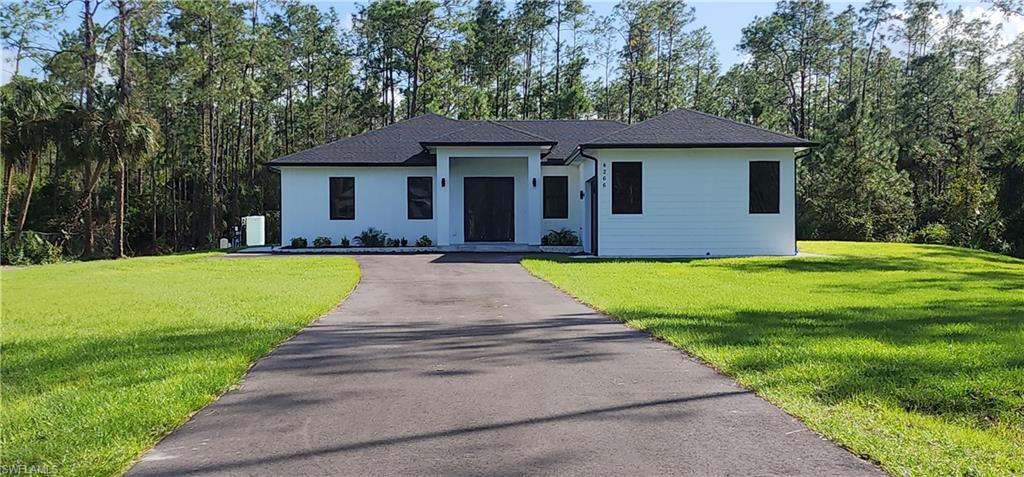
(695, 203)
(573, 222)
(381, 202)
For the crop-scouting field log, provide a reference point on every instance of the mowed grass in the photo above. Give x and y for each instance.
(910, 355)
(100, 359)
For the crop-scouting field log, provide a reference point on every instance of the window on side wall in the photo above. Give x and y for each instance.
(420, 193)
(627, 188)
(343, 198)
(556, 197)
(764, 187)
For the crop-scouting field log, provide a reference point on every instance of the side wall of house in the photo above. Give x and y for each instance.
(696, 203)
(574, 220)
(381, 202)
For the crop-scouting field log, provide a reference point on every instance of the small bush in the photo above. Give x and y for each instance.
(391, 242)
(424, 241)
(372, 237)
(933, 233)
(321, 242)
(560, 237)
(404, 242)
(299, 242)
(345, 242)
(32, 249)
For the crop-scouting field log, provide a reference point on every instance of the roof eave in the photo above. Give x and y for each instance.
(698, 145)
(349, 164)
(427, 144)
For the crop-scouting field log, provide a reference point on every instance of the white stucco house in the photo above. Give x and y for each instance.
(683, 183)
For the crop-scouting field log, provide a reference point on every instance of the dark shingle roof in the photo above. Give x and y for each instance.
(488, 133)
(405, 143)
(397, 144)
(568, 132)
(687, 128)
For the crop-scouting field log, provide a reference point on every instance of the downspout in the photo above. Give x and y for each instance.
(594, 214)
(800, 155)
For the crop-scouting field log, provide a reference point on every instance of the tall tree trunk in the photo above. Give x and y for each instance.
(119, 213)
(558, 58)
(33, 164)
(123, 100)
(89, 175)
(8, 188)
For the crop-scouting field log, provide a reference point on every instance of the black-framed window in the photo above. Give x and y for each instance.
(556, 197)
(627, 188)
(420, 193)
(343, 198)
(764, 187)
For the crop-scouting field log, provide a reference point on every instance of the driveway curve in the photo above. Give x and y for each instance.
(467, 365)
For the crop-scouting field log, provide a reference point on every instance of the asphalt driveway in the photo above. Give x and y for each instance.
(467, 365)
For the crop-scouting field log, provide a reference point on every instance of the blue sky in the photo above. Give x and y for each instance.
(724, 19)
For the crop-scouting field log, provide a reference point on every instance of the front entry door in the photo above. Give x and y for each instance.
(489, 204)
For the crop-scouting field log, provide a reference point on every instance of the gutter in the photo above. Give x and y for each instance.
(594, 215)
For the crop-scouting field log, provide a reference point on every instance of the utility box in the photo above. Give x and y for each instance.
(255, 230)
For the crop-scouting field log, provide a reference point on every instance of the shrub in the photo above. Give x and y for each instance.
(33, 249)
(560, 237)
(299, 242)
(933, 233)
(424, 241)
(404, 242)
(391, 242)
(321, 242)
(372, 237)
(345, 242)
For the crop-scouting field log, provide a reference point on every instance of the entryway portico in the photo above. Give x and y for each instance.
(471, 194)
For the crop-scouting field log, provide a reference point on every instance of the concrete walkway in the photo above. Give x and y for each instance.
(467, 365)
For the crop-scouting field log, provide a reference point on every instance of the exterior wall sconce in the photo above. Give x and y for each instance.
(581, 195)
(535, 182)
(442, 182)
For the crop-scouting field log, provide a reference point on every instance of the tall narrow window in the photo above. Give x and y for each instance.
(556, 197)
(343, 198)
(420, 193)
(764, 187)
(627, 188)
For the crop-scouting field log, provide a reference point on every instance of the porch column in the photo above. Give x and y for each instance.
(534, 198)
(442, 202)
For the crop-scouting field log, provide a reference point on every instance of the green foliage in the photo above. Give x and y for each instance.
(345, 242)
(907, 354)
(424, 241)
(321, 242)
(299, 242)
(31, 249)
(562, 237)
(103, 358)
(933, 234)
(918, 120)
(372, 237)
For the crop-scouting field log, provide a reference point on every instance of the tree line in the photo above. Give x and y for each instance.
(146, 128)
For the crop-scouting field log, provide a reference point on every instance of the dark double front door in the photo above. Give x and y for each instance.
(489, 204)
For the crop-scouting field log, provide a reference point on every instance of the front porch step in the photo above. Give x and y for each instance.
(491, 247)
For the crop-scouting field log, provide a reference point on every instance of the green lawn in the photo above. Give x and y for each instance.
(910, 355)
(100, 359)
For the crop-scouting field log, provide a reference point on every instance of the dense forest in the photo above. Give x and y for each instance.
(147, 131)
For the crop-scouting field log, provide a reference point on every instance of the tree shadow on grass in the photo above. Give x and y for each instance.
(954, 355)
(951, 365)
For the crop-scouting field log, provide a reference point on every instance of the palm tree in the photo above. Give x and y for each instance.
(82, 144)
(133, 137)
(29, 112)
